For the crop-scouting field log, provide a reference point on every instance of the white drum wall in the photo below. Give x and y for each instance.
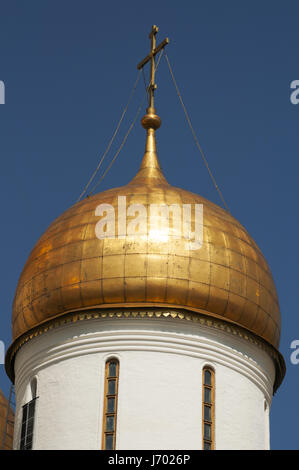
(160, 385)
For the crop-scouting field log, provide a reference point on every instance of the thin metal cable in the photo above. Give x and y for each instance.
(129, 130)
(145, 85)
(121, 146)
(194, 135)
(112, 138)
(159, 58)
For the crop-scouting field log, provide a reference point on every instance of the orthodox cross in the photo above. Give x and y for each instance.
(151, 57)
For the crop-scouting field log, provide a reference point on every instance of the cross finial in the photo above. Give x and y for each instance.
(151, 57)
(150, 171)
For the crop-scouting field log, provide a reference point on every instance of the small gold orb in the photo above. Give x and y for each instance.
(151, 120)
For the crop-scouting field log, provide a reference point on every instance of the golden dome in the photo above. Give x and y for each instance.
(70, 269)
(8, 444)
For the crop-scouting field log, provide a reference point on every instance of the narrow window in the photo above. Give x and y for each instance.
(28, 414)
(208, 408)
(110, 404)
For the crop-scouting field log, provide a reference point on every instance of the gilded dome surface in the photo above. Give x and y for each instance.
(8, 444)
(70, 269)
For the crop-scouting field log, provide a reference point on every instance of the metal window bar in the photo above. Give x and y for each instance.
(208, 409)
(110, 405)
(27, 428)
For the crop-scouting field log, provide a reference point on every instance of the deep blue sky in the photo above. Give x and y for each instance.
(68, 68)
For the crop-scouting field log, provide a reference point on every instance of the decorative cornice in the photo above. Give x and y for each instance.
(202, 319)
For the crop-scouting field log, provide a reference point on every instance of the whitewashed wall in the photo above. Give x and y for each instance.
(160, 394)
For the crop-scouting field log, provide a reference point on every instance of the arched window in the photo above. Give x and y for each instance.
(33, 388)
(208, 408)
(110, 404)
(28, 417)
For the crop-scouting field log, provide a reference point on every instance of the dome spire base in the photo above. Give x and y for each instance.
(150, 171)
